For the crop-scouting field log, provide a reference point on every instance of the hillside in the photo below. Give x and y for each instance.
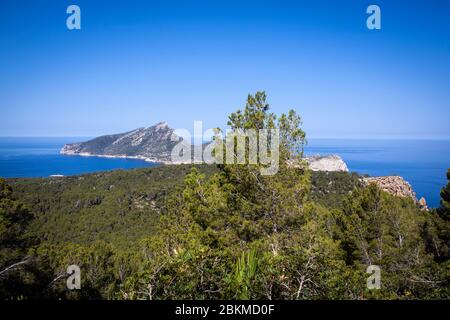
(153, 144)
(220, 231)
(124, 205)
(117, 206)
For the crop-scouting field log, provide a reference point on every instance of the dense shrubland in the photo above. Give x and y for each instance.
(221, 232)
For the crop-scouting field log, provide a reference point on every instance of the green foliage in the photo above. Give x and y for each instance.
(255, 114)
(436, 230)
(119, 207)
(330, 188)
(14, 219)
(103, 269)
(444, 210)
(380, 229)
(246, 270)
(225, 232)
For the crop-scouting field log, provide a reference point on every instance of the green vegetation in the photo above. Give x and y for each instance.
(118, 206)
(221, 232)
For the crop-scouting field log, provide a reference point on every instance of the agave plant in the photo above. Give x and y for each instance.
(246, 268)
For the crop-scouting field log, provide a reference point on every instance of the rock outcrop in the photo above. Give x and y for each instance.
(326, 163)
(423, 204)
(394, 185)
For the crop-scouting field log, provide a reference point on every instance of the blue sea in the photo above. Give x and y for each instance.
(423, 163)
(39, 157)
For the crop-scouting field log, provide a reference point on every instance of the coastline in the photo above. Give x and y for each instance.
(416, 161)
(87, 154)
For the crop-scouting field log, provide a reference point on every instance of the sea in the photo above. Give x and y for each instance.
(423, 163)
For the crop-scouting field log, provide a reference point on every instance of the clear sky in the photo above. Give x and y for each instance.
(135, 63)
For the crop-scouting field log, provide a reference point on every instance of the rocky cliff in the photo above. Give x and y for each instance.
(326, 163)
(395, 185)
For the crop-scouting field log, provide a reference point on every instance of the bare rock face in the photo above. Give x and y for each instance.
(394, 185)
(326, 163)
(423, 204)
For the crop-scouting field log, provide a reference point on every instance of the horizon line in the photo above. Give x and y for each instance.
(307, 138)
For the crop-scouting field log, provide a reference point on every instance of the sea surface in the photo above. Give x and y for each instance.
(423, 163)
(39, 157)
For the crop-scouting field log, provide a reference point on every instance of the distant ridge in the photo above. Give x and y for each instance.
(153, 144)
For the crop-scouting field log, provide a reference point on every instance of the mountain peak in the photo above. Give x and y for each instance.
(161, 125)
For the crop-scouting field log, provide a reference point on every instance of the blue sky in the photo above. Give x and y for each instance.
(135, 63)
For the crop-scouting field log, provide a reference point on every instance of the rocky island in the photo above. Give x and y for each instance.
(153, 144)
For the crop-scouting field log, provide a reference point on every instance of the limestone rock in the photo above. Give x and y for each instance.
(326, 163)
(394, 185)
(423, 204)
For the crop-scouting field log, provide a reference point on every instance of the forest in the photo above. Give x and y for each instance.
(221, 231)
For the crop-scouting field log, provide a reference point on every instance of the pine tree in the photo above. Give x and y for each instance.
(444, 210)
